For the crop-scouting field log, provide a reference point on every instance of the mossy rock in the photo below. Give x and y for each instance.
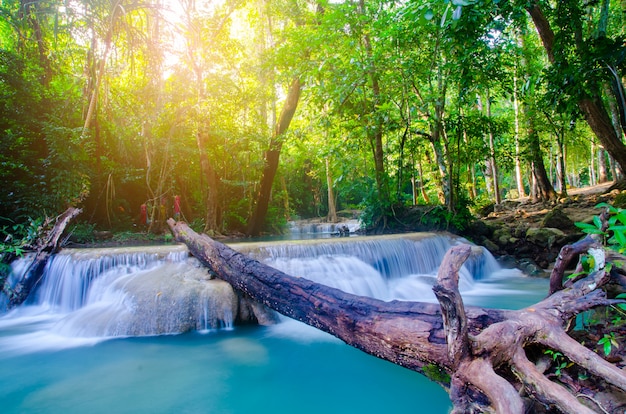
(620, 200)
(557, 219)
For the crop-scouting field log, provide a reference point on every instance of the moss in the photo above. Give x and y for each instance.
(620, 200)
(436, 373)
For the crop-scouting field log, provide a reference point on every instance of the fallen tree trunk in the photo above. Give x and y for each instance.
(490, 359)
(46, 245)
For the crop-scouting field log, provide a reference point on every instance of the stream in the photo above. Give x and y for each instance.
(146, 330)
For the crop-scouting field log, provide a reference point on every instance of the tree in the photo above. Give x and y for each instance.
(257, 220)
(485, 356)
(571, 53)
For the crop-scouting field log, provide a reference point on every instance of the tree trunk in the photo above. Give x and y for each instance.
(210, 184)
(591, 106)
(603, 176)
(481, 354)
(518, 164)
(375, 133)
(47, 244)
(332, 209)
(545, 191)
(272, 155)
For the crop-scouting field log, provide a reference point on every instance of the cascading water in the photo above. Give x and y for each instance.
(305, 229)
(399, 267)
(160, 290)
(87, 296)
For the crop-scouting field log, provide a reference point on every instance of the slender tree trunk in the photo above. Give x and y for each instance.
(272, 155)
(562, 176)
(332, 210)
(518, 162)
(420, 169)
(375, 134)
(211, 182)
(602, 168)
(492, 156)
(592, 165)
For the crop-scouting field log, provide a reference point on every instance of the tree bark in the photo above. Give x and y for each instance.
(332, 208)
(483, 351)
(591, 106)
(272, 155)
(47, 244)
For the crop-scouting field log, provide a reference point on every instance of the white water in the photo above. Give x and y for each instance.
(89, 295)
(315, 229)
(91, 340)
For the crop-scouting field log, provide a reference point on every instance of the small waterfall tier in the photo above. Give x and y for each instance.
(100, 293)
(304, 229)
(402, 266)
(138, 291)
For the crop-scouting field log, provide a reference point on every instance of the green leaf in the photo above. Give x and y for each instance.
(588, 228)
(429, 14)
(597, 222)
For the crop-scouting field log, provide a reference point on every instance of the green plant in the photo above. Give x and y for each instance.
(608, 342)
(436, 373)
(82, 232)
(19, 236)
(559, 360)
(614, 236)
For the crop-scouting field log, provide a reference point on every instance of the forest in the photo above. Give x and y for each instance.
(241, 115)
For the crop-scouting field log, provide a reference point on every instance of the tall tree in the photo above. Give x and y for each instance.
(571, 51)
(272, 155)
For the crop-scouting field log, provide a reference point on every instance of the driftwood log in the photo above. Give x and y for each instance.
(490, 359)
(46, 245)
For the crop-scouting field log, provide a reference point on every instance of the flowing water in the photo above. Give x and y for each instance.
(99, 334)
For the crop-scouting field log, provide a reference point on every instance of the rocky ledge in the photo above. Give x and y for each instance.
(530, 235)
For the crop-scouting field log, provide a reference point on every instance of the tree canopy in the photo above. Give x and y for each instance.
(241, 115)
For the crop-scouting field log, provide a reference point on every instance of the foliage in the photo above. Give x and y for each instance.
(559, 360)
(614, 235)
(82, 232)
(608, 342)
(16, 239)
(409, 101)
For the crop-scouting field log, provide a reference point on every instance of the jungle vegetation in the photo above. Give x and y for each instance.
(240, 115)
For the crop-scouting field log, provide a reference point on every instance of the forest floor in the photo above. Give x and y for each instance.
(579, 205)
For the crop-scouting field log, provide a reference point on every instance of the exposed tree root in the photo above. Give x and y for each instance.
(484, 351)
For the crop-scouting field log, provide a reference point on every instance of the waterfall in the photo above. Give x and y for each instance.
(400, 267)
(92, 294)
(304, 229)
(69, 274)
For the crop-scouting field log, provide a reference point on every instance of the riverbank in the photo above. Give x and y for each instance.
(531, 234)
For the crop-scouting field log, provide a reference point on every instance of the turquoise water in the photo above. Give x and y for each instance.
(246, 370)
(52, 362)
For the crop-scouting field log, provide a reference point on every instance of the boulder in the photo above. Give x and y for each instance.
(545, 236)
(557, 219)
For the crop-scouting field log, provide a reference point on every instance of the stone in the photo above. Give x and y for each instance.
(557, 219)
(545, 236)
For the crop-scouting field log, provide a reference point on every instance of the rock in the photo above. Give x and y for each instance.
(545, 236)
(486, 210)
(559, 220)
(529, 267)
(502, 236)
(491, 246)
